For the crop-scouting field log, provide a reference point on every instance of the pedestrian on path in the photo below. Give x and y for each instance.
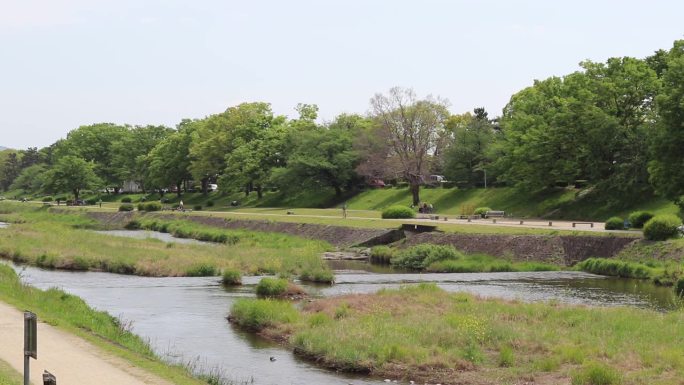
(344, 210)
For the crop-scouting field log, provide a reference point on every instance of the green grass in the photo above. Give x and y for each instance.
(661, 272)
(70, 313)
(427, 335)
(9, 376)
(446, 259)
(62, 241)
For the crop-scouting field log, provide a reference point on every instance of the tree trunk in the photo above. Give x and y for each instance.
(178, 186)
(205, 186)
(76, 192)
(415, 192)
(260, 191)
(338, 191)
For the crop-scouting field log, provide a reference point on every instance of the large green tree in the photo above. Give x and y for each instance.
(667, 150)
(169, 162)
(129, 152)
(95, 143)
(470, 136)
(71, 173)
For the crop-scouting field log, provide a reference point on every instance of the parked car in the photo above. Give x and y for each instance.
(212, 187)
(377, 183)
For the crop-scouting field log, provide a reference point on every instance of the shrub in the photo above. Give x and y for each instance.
(126, 207)
(662, 227)
(91, 201)
(638, 218)
(271, 287)
(201, 270)
(421, 256)
(398, 212)
(317, 275)
(61, 199)
(615, 223)
(232, 277)
(149, 206)
(210, 203)
(481, 211)
(47, 199)
(197, 208)
(126, 200)
(382, 254)
(679, 287)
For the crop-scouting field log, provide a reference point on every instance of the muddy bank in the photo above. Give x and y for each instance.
(560, 250)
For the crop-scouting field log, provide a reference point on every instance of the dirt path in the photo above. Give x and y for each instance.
(71, 359)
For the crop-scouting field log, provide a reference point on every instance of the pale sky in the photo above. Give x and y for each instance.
(66, 63)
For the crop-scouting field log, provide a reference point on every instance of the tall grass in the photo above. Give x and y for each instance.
(425, 334)
(9, 376)
(56, 307)
(61, 241)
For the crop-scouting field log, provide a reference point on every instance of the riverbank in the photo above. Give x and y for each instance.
(64, 241)
(424, 334)
(70, 331)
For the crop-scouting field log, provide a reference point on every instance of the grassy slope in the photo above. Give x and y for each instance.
(557, 204)
(73, 315)
(425, 334)
(9, 376)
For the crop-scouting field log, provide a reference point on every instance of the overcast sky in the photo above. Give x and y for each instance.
(69, 63)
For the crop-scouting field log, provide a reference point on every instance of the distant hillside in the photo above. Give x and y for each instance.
(3, 148)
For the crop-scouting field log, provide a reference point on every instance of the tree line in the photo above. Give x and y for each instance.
(617, 126)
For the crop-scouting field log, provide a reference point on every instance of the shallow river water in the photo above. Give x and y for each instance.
(185, 318)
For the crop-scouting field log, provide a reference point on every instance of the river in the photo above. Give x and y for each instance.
(185, 318)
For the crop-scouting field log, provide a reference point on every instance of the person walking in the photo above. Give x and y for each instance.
(344, 210)
(180, 206)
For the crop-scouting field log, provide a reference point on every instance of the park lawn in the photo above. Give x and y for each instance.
(424, 334)
(9, 376)
(64, 241)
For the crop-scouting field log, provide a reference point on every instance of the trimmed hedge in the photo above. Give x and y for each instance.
(47, 199)
(126, 207)
(126, 200)
(481, 211)
(615, 223)
(662, 227)
(149, 206)
(398, 212)
(638, 218)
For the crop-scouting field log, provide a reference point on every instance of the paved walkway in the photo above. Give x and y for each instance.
(71, 359)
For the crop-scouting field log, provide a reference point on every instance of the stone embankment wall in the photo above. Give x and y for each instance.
(562, 250)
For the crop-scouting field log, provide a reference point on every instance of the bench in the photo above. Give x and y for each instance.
(495, 214)
(583, 223)
(417, 228)
(469, 217)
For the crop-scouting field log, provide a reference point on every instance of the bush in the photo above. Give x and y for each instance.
(149, 206)
(259, 313)
(197, 207)
(421, 256)
(679, 287)
(47, 199)
(201, 270)
(271, 287)
(382, 254)
(637, 219)
(615, 223)
(210, 203)
(126, 200)
(91, 201)
(317, 275)
(662, 227)
(126, 207)
(615, 268)
(481, 211)
(398, 212)
(232, 277)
